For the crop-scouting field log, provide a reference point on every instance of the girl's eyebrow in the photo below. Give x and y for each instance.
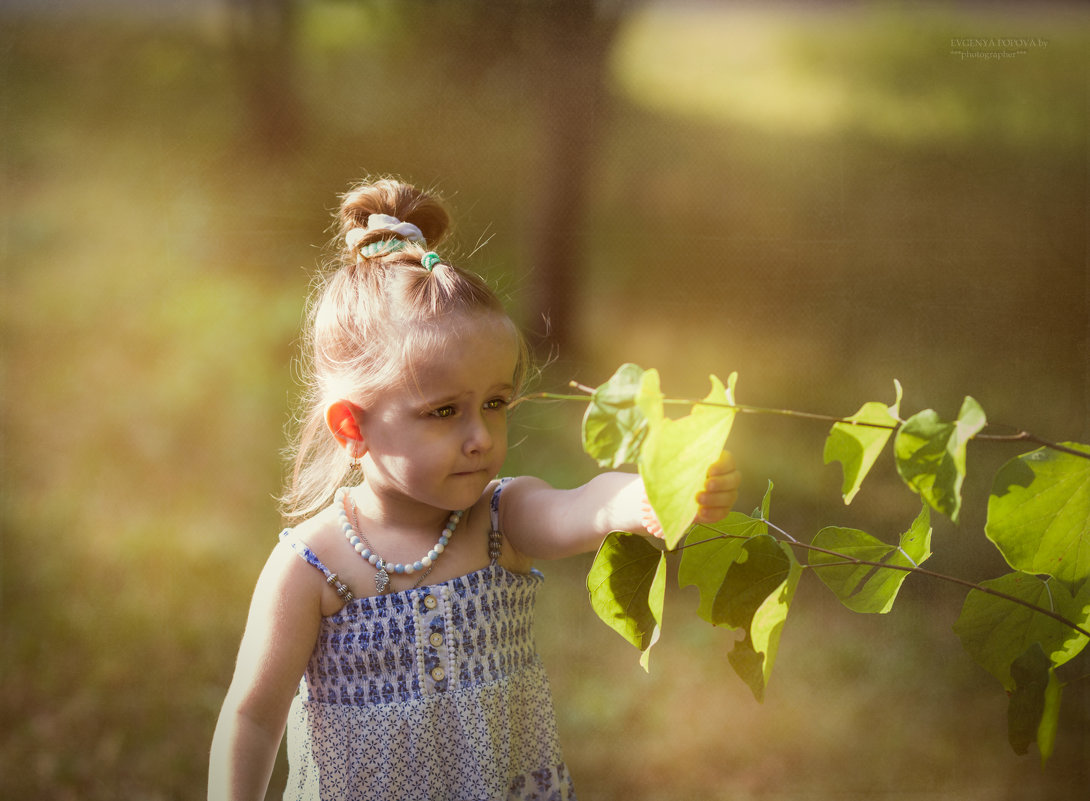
(505, 388)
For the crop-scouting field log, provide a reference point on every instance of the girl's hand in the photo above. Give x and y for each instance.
(716, 498)
(720, 491)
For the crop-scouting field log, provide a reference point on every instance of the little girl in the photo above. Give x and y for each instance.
(390, 630)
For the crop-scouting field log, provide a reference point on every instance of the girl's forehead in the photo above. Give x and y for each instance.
(479, 352)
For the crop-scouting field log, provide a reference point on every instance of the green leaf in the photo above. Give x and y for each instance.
(1039, 514)
(867, 588)
(614, 426)
(749, 665)
(996, 631)
(627, 585)
(760, 569)
(1031, 676)
(1050, 717)
(766, 502)
(676, 454)
(930, 455)
(1077, 610)
(754, 593)
(770, 617)
(857, 447)
(704, 564)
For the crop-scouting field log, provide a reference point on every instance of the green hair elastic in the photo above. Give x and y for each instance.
(429, 260)
(382, 246)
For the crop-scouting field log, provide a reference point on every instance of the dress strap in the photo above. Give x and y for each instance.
(495, 536)
(287, 536)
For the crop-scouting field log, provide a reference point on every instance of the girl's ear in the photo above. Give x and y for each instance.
(344, 418)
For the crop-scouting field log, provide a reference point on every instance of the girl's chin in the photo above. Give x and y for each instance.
(469, 486)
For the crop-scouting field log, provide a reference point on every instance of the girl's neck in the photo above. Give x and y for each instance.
(397, 512)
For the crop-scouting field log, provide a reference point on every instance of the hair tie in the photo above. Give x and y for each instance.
(407, 232)
(382, 246)
(384, 222)
(353, 238)
(429, 260)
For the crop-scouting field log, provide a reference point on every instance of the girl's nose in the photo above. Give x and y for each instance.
(478, 436)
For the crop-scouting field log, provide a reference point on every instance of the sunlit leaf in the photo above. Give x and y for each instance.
(768, 621)
(627, 585)
(930, 455)
(709, 552)
(747, 580)
(676, 454)
(766, 502)
(614, 425)
(865, 587)
(996, 631)
(857, 446)
(1039, 514)
(650, 398)
(1030, 675)
(754, 593)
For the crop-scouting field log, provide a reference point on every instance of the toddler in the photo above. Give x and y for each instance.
(390, 632)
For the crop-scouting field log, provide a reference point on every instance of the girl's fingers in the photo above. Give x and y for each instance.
(724, 464)
(720, 490)
(717, 500)
(713, 512)
(724, 483)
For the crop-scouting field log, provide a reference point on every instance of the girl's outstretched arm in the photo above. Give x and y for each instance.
(546, 523)
(281, 630)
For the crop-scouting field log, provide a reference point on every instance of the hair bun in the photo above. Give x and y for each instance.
(408, 210)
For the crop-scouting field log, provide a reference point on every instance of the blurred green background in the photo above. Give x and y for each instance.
(823, 197)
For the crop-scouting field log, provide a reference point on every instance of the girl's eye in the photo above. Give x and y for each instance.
(496, 403)
(443, 411)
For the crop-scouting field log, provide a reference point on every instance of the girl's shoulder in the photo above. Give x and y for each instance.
(318, 531)
(320, 534)
(315, 541)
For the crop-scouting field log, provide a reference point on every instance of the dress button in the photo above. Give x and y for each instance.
(438, 674)
(430, 602)
(436, 639)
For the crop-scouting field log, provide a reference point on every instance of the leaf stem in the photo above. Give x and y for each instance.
(782, 531)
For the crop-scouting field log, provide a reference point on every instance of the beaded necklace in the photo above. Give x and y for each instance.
(359, 543)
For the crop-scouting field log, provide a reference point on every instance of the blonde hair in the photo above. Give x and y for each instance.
(369, 312)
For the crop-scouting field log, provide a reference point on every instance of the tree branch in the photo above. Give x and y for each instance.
(1021, 436)
(850, 560)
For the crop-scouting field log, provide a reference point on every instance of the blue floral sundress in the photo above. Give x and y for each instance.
(429, 694)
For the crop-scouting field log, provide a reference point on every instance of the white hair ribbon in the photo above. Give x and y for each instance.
(354, 237)
(384, 222)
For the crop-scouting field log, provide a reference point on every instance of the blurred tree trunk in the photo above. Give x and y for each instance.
(263, 44)
(573, 46)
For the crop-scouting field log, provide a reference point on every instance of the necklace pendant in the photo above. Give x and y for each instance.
(382, 578)
(358, 541)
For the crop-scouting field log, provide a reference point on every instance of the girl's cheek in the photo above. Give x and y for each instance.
(499, 437)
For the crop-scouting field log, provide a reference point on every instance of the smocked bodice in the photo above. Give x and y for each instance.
(406, 645)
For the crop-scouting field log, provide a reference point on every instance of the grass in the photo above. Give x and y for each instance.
(153, 285)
